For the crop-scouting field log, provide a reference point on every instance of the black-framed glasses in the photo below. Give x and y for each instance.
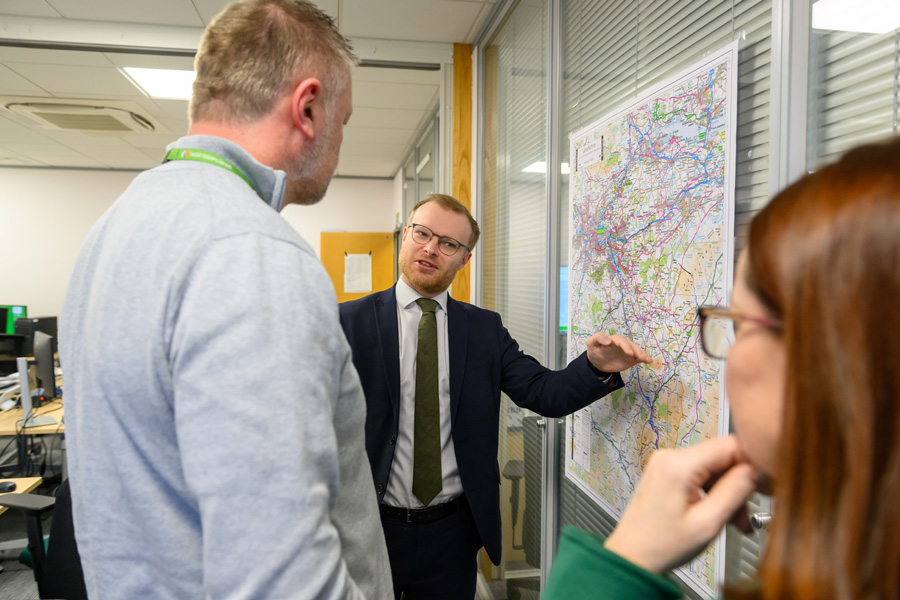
(447, 245)
(717, 328)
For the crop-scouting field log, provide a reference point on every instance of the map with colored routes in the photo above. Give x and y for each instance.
(651, 208)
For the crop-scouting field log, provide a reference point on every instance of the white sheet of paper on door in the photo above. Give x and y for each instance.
(357, 273)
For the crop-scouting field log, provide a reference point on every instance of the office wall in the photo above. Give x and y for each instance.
(350, 205)
(45, 215)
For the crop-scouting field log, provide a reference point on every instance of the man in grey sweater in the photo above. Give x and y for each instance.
(214, 416)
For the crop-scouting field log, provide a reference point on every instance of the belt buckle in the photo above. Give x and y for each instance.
(408, 515)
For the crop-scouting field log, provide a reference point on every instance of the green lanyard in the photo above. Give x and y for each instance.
(207, 157)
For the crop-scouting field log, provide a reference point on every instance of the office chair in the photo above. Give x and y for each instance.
(57, 571)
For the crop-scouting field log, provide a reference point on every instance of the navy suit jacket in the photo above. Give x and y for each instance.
(484, 360)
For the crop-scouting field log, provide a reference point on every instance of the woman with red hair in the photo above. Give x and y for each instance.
(812, 340)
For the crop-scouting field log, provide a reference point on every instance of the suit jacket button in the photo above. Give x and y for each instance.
(393, 440)
(380, 489)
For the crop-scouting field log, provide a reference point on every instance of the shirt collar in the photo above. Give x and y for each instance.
(406, 296)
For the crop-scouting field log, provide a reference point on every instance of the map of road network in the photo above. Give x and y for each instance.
(651, 194)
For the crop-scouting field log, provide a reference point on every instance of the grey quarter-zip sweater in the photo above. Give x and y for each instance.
(214, 418)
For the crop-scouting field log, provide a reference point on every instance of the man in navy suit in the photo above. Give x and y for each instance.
(433, 541)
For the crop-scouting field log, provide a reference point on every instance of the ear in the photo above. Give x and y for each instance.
(306, 107)
(465, 260)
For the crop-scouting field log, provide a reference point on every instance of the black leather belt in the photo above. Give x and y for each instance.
(419, 516)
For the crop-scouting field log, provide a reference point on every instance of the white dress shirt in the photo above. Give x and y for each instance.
(399, 490)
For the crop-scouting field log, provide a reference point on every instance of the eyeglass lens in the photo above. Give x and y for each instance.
(447, 246)
(718, 335)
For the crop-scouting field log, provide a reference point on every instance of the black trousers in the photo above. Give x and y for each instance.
(434, 561)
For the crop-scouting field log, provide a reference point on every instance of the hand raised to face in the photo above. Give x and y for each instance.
(671, 516)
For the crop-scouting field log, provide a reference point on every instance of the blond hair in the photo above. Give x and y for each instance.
(452, 204)
(256, 50)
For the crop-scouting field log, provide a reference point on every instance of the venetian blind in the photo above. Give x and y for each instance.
(854, 92)
(515, 194)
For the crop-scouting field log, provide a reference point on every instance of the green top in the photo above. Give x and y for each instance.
(585, 569)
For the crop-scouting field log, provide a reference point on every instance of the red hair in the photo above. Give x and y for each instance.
(824, 257)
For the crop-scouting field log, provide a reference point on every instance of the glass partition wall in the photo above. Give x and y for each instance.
(548, 69)
(513, 213)
(551, 67)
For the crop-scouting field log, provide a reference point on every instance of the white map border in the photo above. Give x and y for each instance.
(729, 53)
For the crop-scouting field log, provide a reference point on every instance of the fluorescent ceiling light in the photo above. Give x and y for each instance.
(162, 83)
(871, 16)
(541, 167)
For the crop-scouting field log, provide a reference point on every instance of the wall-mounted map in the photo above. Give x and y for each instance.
(651, 210)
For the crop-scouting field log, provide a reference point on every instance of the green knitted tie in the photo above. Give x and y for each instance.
(427, 434)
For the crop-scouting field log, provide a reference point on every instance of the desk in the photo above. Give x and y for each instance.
(54, 409)
(23, 486)
(8, 427)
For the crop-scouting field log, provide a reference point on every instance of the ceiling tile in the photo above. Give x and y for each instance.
(56, 155)
(210, 8)
(79, 140)
(77, 82)
(389, 104)
(153, 155)
(381, 75)
(394, 95)
(122, 156)
(40, 56)
(11, 158)
(14, 132)
(159, 12)
(29, 8)
(386, 117)
(385, 150)
(178, 127)
(332, 7)
(169, 109)
(377, 135)
(419, 20)
(151, 141)
(146, 61)
(372, 166)
(14, 84)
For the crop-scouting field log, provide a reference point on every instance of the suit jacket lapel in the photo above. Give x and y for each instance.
(458, 334)
(387, 331)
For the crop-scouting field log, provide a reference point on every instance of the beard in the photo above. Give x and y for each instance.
(310, 174)
(432, 284)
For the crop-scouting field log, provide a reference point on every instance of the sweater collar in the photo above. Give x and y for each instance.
(269, 183)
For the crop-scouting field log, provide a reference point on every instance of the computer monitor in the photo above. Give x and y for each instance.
(44, 364)
(46, 379)
(29, 326)
(8, 315)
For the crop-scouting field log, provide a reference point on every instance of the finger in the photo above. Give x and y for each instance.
(717, 454)
(729, 494)
(628, 348)
(602, 339)
(636, 351)
(623, 344)
(642, 355)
